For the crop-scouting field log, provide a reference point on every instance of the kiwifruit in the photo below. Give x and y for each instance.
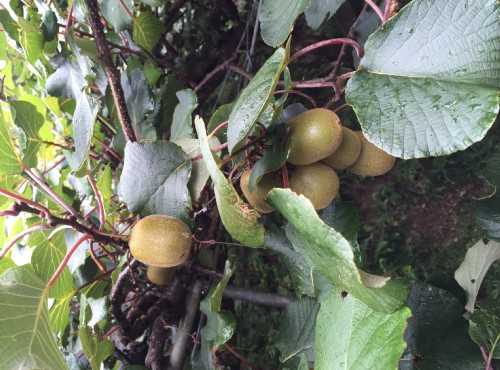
(372, 161)
(314, 134)
(316, 181)
(257, 198)
(347, 153)
(160, 240)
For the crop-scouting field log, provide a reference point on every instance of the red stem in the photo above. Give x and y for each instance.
(67, 257)
(127, 10)
(45, 211)
(100, 205)
(94, 257)
(284, 173)
(313, 102)
(21, 235)
(354, 44)
(69, 19)
(111, 151)
(341, 107)
(216, 149)
(377, 9)
(217, 129)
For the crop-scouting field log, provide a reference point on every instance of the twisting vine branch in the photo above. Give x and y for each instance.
(111, 70)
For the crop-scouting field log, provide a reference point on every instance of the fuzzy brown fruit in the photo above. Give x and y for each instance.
(316, 181)
(314, 134)
(347, 153)
(372, 161)
(257, 198)
(160, 241)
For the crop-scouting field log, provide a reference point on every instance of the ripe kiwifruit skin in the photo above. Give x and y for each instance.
(316, 181)
(160, 275)
(314, 134)
(372, 161)
(160, 240)
(257, 198)
(347, 153)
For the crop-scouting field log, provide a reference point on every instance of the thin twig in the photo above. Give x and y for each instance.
(240, 357)
(212, 73)
(376, 9)
(354, 44)
(311, 100)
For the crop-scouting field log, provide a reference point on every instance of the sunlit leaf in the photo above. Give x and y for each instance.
(83, 127)
(10, 163)
(182, 120)
(32, 40)
(26, 339)
(350, 335)
(30, 121)
(428, 84)
(147, 30)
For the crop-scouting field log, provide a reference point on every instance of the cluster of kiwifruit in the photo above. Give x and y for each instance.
(319, 145)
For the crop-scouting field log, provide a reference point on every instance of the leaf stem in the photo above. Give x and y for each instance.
(50, 192)
(67, 257)
(289, 91)
(342, 41)
(21, 235)
(100, 205)
(376, 9)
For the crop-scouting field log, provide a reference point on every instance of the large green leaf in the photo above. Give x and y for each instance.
(350, 335)
(253, 100)
(67, 80)
(32, 40)
(30, 121)
(429, 82)
(147, 30)
(319, 10)
(474, 267)
(83, 127)
(331, 254)
(154, 179)
(10, 163)
(137, 94)
(26, 339)
(115, 13)
(277, 18)
(296, 333)
(436, 334)
(95, 350)
(239, 219)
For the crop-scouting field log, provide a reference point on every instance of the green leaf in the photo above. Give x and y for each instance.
(147, 30)
(10, 163)
(436, 334)
(26, 340)
(182, 120)
(319, 10)
(305, 280)
(199, 172)
(277, 18)
(60, 313)
(83, 127)
(9, 25)
(49, 25)
(429, 81)
(239, 219)
(67, 81)
(350, 335)
(115, 13)
(32, 40)
(154, 179)
(272, 159)
(46, 258)
(137, 94)
(253, 100)
(296, 333)
(27, 117)
(330, 253)
(95, 351)
(488, 209)
(484, 327)
(220, 115)
(474, 267)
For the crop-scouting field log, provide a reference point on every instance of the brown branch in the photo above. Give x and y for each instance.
(111, 70)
